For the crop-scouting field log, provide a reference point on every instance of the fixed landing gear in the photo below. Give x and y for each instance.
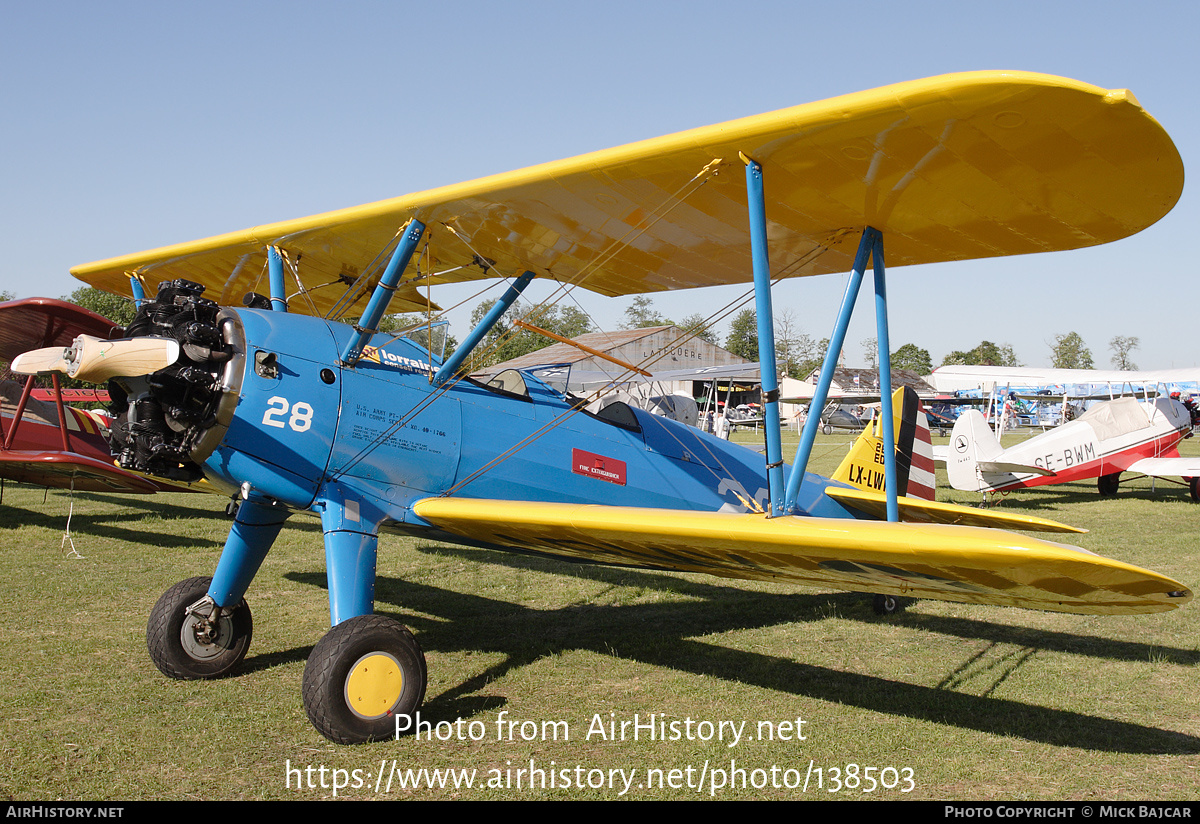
(888, 604)
(364, 681)
(189, 637)
(1109, 484)
(363, 675)
(1194, 488)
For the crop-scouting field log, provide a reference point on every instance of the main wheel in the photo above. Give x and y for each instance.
(187, 642)
(1194, 488)
(1109, 484)
(826, 429)
(360, 677)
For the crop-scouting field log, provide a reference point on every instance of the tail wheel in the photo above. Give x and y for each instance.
(189, 637)
(360, 677)
(887, 605)
(1109, 484)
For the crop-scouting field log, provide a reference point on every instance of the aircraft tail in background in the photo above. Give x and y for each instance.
(972, 442)
(863, 466)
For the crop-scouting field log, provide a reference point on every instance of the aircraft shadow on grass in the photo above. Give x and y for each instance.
(665, 635)
(1165, 491)
(166, 508)
(131, 528)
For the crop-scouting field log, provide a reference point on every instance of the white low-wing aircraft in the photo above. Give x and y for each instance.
(1121, 435)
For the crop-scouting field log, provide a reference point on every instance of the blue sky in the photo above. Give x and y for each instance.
(133, 125)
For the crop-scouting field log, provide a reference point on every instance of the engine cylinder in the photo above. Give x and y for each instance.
(168, 422)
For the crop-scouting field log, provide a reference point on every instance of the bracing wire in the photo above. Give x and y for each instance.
(565, 289)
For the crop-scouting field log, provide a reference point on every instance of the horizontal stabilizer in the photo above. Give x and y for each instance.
(1014, 468)
(916, 510)
(948, 563)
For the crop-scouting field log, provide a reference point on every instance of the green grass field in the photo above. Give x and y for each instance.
(942, 702)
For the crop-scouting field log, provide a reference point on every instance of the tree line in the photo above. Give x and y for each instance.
(1070, 352)
(798, 354)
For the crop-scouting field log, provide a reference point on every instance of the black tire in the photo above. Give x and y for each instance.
(1109, 484)
(377, 654)
(1194, 488)
(887, 604)
(176, 640)
(827, 429)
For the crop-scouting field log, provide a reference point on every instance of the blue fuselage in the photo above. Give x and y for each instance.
(381, 433)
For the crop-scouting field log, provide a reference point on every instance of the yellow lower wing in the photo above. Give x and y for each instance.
(949, 563)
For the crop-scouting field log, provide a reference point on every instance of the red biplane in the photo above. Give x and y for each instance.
(44, 441)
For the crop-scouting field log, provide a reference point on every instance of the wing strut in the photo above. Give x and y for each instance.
(275, 276)
(139, 292)
(501, 306)
(884, 358)
(20, 413)
(369, 324)
(756, 207)
(870, 247)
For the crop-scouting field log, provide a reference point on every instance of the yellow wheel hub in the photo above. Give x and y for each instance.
(373, 685)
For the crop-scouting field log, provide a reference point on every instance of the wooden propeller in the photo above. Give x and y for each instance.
(94, 360)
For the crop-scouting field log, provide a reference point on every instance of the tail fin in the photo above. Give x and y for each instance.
(971, 441)
(863, 466)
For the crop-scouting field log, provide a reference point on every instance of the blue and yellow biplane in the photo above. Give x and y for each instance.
(289, 410)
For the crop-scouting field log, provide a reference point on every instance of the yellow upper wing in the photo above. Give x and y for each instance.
(949, 563)
(955, 167)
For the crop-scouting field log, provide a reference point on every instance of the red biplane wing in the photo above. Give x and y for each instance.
(36, 323)
(70, 470)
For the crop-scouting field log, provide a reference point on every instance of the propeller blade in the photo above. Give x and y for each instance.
(94, 360)
(41, 361)
(98, 360)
